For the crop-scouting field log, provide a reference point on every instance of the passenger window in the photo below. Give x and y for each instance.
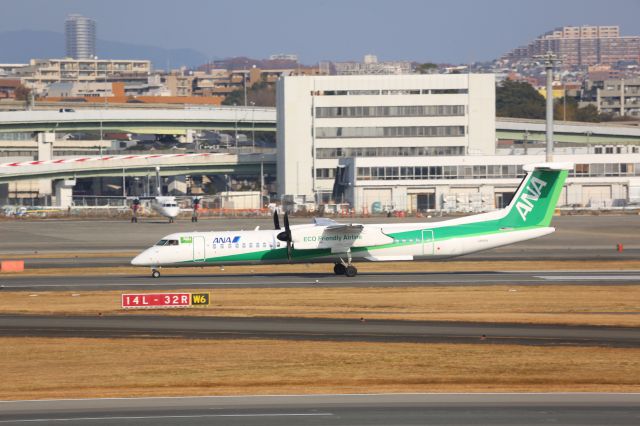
(237, 245)
(264, 245)
(250, 245)
(244, 245)
(229, 246)
(214, 246)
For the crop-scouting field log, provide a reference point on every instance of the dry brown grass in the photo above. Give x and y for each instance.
(550, 304)
(367, 267)
(35, 368)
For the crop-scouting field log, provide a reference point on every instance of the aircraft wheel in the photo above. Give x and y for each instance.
(351, 271)
(155, 273)
(339, 269)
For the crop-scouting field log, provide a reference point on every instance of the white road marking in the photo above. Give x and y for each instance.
(590, 277)
(79, 419)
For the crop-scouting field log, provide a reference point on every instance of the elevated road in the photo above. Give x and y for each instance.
(137, 165)
(151, 121)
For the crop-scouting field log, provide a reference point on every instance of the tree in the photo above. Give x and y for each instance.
(519, 100)
(22, 93)
(565, 110)
(588, 113)
(427, 68)
(260, 94)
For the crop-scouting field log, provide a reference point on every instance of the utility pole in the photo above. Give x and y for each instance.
(550, 59)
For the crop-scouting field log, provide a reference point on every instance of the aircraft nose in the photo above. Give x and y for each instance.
(143, 259)
(137, 261)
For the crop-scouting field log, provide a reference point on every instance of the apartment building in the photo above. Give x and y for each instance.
(581, 46)
(42, 72)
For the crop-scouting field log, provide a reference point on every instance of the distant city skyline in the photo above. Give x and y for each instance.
(424, 31)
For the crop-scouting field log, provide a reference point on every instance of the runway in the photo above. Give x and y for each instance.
(335, 410)
(144, 280)
(383, 331)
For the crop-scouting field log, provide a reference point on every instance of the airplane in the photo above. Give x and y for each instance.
(528, 216)
(164, 205)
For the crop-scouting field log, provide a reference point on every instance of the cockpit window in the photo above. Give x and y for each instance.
(167, 243)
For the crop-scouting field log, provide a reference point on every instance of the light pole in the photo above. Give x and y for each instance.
(253, 127)
(550, 59)
(244, 84)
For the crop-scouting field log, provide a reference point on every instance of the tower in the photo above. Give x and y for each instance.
(80, 34)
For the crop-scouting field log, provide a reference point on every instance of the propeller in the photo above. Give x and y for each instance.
(276, 221)
(286, 236)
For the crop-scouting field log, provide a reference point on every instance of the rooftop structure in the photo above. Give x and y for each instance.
(370, 65)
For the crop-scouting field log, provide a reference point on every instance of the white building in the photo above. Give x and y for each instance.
(481, 183)
(324, 118)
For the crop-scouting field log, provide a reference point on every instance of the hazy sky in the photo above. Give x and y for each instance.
(456, 31)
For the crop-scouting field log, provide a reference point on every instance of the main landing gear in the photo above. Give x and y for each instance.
(155, 273)
(346, 269)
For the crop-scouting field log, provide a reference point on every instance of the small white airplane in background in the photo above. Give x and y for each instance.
(165, 205)
(528, 216)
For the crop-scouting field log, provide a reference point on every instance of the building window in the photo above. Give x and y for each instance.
(389, 92)
(391, 111)
(439, 172)
(401, 151)
(390, 132)
(325, 173)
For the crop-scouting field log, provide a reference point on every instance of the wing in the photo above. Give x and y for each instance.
(332, 225)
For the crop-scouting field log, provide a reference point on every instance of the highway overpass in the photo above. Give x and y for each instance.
(150, 121)
(137, 165)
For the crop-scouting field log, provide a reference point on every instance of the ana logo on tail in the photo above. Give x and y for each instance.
(529, 196)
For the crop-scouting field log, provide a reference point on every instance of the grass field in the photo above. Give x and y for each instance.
(549, 304)
(36, 368)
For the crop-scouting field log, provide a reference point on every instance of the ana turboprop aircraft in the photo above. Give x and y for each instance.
(527, 216)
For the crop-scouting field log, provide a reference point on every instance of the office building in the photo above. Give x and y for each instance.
(80, 33)
(324, 118)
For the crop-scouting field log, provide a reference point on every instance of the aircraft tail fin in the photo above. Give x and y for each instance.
(537, 197)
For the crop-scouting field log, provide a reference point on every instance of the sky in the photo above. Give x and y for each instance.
(457, 31)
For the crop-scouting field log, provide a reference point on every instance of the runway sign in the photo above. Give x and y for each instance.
(164, 300)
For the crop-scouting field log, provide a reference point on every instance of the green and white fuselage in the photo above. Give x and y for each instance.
(528, 216)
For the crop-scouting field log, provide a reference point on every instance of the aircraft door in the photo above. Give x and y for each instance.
(427, 243)
(198, 249)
